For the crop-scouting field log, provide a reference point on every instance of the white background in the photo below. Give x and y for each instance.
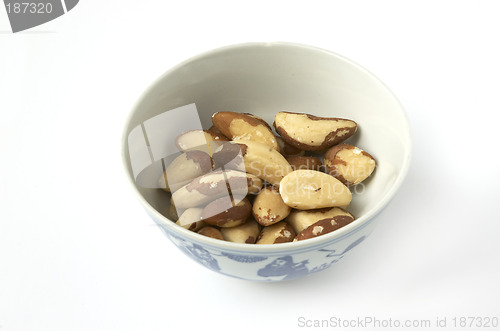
(77, 251)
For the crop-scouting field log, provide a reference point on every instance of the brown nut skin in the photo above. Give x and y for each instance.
(310, 189)
(311, 133)
(225, 213)
(230, 156)
(324, 226)
(268, 207)
(242, 126)
(305, 162)
(245, 233)
(184, 168)
(349, 164)
(288, 150)
(210, 231)
(277, 233)
(301, 219)
(217, 133)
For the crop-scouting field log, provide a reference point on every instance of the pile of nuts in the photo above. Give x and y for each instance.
(240, 182)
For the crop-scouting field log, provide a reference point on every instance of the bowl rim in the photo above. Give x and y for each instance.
(302, 245)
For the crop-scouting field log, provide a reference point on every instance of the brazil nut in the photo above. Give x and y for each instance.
(185, 168)
(288, 150)
(245, 233)
(191, 219)
(312, 133)
(211, 232)
(199, 140)
(301, 219)
(268, 207)
(277, 233)
(225, 212)
(323, 226)
(310, 189)
(211, 186)
(241, 126)
(349, 164)
(255, 158)
(305, 163)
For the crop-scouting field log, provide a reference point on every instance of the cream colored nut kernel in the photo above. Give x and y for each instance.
(191, 219)
(268, 207)
(260, 120)
(305, 162)
(226, 213)
(310, 189)
(238, 126)
(254, 184)
(255, 158)
(199, 140)
(185, 168)
(211, 232)
(324, 226)
(211, 186)
(349, 164)
(301, 219)
(190, 216)
(245, 233)
(277, 233)
(312, 133)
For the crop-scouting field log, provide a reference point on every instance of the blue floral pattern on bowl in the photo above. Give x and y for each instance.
(264, 268)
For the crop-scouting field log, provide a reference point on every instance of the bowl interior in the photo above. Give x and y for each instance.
(266, 78)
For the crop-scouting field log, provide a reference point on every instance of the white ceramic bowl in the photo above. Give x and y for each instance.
(264, 78)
